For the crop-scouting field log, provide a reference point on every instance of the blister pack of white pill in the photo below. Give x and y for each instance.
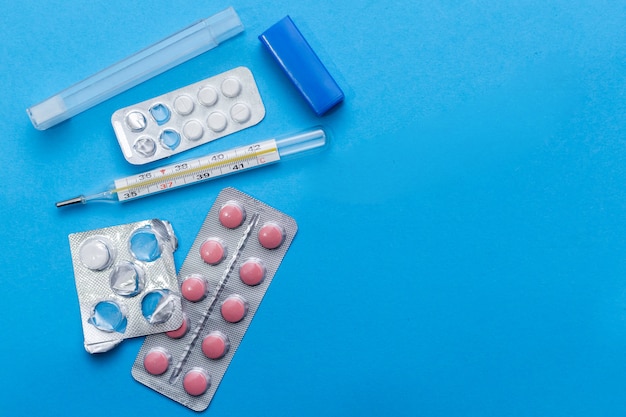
(126, 282)
(230, 265)
(190, 116)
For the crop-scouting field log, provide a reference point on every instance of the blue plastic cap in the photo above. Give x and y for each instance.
(303, 67)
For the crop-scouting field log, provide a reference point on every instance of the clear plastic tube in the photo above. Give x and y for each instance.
(143, 65)
(209, 167)
(301, 142)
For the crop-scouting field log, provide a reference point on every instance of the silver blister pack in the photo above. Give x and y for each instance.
(126, 282)
(223, 280)
(190, 116)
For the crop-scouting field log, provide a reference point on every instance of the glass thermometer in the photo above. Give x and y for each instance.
(206, 168)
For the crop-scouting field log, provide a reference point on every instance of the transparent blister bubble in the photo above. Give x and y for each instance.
(213, 250)
(144, 245)
(157, 361)
(109, 316)
(127, 279)
(158, 306)
(97, 253)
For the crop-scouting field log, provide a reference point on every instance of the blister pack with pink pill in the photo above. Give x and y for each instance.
(126, 282)
(229, 267)
(188, 117)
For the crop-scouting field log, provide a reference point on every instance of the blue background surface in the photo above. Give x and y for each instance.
(462, 242)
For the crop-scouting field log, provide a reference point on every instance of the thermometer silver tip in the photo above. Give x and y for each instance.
(75, 200)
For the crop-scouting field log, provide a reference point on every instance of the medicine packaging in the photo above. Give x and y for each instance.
(126, 282)
(223, 279)
(188, 117)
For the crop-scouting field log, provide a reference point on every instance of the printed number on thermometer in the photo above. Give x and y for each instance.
(189, 172)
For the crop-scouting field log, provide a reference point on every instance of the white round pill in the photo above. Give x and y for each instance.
(240, 113)
(217, 121)
(96, 254)
(136, 121)
(231, 87)
(207, 96)
(193, 130)
(183, 105)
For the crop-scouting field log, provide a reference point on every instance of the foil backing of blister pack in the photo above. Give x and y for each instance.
(178, 354)
(188, 117)
(104, 264)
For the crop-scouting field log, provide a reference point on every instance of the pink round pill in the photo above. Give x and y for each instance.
(181, 331)
(215, 345)
(194, 288)
(212, 251)
(156, 361)
(196, 381)
(234, 308)
(271, 235)
(252, 271)
(232, 215)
